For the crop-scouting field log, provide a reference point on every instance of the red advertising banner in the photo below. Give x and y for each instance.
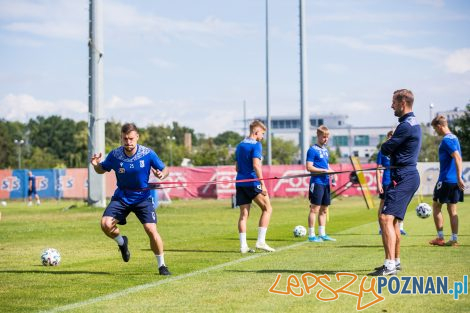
(216, 182)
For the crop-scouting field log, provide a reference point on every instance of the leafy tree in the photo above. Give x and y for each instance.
(9, 131)
(429, 144)
(40, 158)
(228, 138)
(283, 151)
(112, 135)
(461, 128)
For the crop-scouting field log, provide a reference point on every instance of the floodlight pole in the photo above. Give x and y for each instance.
(268, 113)
(304, 139)
(19, 144)
(96, 182)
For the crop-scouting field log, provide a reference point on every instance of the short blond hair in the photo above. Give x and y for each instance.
(257, 123)
(439, 120)
(323, 130)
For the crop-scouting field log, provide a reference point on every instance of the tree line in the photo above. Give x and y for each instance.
(56, 142)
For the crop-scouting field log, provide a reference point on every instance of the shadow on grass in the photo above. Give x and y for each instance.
(54, 272)
(296, 271)
(199, 250)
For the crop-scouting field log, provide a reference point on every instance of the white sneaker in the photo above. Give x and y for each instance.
(264, 246)
(246, 250)
(30, 203)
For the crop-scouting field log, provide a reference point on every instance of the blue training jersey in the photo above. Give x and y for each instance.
(246, 151)
(32, 179)
(404, 146)
(319, 157)
(384, 161)
(132, 173)
(447, 172)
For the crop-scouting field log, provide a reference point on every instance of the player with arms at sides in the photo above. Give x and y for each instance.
(132, 164)
(384, 181)
(249, 156)
(32, 189)
(403, 148)
(319, 190)
(450, 185)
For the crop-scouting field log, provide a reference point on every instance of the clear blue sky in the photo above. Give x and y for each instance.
(195, 62)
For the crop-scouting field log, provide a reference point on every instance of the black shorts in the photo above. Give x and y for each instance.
(447, 193)
(386, 188)
(246, 194)
(319, 194)
(145, 211)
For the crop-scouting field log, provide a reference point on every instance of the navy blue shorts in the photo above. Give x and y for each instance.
(399, 195)
(447, 193)
(246, 194)
(386, 188)
(319, 194)
(144, 211)
(31, 192)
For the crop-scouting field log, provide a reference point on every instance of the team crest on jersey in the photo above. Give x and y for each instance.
(121, 164)
(142, 163)
(121, 170)
(131, 165)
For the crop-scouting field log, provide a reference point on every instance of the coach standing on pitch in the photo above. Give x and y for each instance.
(403, 149)
(132, 164)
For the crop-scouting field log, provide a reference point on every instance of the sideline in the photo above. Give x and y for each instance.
(138, 288)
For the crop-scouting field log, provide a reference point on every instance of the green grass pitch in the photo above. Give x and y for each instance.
(209, 274)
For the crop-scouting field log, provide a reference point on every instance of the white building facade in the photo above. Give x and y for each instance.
(350, 140)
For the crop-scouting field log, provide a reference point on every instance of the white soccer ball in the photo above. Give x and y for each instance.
(50, 257)
(299, 231)
(423, 210)
(3, 203)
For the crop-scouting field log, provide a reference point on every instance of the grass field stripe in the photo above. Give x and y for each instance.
(135, 289)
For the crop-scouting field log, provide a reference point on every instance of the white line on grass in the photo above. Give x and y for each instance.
(135, 289)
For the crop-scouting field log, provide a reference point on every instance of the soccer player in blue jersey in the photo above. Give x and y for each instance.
(249, 156)
(450, 185)
(384, 181)
(403, 149)
(319, 190)
(32, 189)
(132, 164)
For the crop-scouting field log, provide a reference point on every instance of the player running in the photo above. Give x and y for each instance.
(132, 164)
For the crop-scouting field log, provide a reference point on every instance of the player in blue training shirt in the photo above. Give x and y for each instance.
(450, 185)
(248, 165)
(403, 149)
(32, 189)
(132, 164)
(319, 190)
(384, 181)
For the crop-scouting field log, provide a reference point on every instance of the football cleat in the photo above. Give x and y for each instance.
(246, 250)
(403, 232)
(163, 270)
(327, 238)
(265, 247)
(314, 239)
(397, 267)
(452, 243)
(383, 271)
(126, 255)
(437, 242)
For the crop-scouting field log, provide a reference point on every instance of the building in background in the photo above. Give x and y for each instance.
(350, 140)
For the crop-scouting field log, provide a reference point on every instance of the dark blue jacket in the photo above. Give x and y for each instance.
(404, 146)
